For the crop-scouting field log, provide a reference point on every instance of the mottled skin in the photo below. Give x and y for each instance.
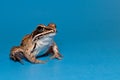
(32, 44)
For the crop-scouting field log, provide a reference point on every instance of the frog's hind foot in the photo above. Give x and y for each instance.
(16, 54)
(39, 61)
(33, 59)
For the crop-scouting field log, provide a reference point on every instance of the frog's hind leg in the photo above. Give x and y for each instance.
(31, 58)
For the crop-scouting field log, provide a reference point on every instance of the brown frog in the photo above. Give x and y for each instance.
(40, 40)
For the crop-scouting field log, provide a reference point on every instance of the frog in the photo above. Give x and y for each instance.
(37, 44)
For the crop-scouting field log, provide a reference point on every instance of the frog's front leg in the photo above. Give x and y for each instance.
(31, 58)
(55, 51)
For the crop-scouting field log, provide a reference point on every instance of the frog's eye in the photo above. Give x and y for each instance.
(40, 29)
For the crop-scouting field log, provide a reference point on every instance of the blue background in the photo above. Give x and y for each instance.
(88, 37)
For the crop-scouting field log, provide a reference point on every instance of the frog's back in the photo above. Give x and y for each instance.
(26, 39)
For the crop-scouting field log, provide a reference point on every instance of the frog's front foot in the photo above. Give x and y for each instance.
(56, 56)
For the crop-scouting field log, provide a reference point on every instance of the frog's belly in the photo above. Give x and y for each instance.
(42, 46)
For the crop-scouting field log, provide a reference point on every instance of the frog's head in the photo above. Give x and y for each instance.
(43, 30)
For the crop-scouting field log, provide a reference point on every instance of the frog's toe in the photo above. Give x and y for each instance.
(56, 57)
(40, 61)
(59, 58)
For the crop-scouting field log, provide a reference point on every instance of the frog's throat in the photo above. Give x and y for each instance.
(41, 34)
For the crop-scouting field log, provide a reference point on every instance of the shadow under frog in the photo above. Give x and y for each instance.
(41, 39)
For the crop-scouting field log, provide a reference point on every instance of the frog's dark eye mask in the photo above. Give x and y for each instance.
(42, 30)
(38, 30)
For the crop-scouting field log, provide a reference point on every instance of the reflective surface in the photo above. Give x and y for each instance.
(88, 37)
